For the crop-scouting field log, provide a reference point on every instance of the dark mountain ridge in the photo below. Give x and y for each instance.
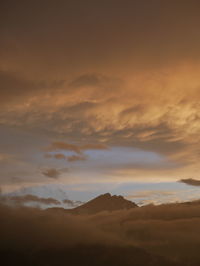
(104, 202)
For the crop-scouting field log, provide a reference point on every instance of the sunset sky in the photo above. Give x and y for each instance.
(100, 96)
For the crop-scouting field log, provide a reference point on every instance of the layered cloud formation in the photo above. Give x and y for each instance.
(90, 77)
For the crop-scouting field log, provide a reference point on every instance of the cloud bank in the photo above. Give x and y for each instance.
(190, 181)
(167, 230)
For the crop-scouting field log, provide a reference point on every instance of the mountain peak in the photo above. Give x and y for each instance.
(104, 202)
(104, 196)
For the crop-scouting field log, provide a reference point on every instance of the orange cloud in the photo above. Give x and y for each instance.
(105, 87)
(74, 158)
(75, 148)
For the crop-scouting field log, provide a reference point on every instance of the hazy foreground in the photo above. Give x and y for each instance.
(151, 235)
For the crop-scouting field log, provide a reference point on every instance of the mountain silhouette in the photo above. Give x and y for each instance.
(104, 202)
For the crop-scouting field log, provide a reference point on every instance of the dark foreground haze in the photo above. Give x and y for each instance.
(150, 235)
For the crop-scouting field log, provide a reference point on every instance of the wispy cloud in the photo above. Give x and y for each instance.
(20, 200)
(51, 173)
(55, 146)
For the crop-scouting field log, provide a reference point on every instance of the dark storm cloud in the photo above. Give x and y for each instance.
(14, 88)
(63, 27)
(190, 181)
(112, 72)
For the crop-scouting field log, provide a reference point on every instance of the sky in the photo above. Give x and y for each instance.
(99, 92)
